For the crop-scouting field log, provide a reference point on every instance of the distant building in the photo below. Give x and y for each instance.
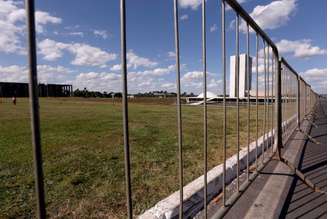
(10, 89)
(209, 97)
(243, 89)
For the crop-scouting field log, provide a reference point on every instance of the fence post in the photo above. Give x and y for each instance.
(298, 102)
(125, 111)
(34, 108)
(278, 137)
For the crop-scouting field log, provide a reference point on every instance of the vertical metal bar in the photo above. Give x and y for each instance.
(304, 99)
(177, 60)
(287, 97)
(205, 104)
(34, 109)
(278, 133)
(285, 100)
(237, 90)
(267, 97)
(125, 112)
(283, 96)
(248, 97)
(257, 95)
(264, 119)
(272, 108)
(223, 56)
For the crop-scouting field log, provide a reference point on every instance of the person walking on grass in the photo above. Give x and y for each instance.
(14, 100)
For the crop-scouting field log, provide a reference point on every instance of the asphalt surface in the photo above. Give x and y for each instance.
(301, 201)
(277, 192)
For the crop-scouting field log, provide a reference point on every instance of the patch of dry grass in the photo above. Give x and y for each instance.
(83, 153)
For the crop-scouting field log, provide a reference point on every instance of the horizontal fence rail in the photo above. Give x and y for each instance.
(287, 101)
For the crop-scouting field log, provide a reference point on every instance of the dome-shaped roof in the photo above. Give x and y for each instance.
(208, 95)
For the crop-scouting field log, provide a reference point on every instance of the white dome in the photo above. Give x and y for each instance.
(208, 95)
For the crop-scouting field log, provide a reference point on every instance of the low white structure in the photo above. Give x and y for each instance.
(243, 89)
(209, 95)
(200, 98)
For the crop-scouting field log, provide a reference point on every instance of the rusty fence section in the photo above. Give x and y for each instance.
(284, 95)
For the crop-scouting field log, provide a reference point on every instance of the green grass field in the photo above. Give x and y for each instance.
(82, 145)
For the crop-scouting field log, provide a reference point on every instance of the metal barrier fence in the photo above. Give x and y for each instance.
(288, 100)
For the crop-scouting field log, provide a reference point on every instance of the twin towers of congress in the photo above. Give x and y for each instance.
(243, 89)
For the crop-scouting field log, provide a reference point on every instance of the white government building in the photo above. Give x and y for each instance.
(243, 89)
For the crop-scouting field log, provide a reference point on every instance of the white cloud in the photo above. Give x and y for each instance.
(270, 16)
(193, 4)
(171, 54)
(87, 55)
(169, 86)
(42, 18)
(101, 33)
(95, 81)
(192, 75)
(46, 73)
(316, 73)
(135, 61)
(84, 54)
(193, 82)
(154, 72)
(116, 67)
(139, 81)
(51, 50)
(300, 48)
(274, 14)
(78, 33)
(213, 28)
(239, 1)
(184, 17)
(12, 25)
(13, 73)
(317, 78)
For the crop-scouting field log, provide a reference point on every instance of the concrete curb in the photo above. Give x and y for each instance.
(193, 192)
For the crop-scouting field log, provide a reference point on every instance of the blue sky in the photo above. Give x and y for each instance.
(78, 41)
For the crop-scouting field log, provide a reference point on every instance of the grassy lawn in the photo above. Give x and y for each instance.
(83, 153)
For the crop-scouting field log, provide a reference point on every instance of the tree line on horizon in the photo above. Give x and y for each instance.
(86, 93)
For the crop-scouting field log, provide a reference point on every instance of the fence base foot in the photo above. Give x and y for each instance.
(309, 137)
(301, 176)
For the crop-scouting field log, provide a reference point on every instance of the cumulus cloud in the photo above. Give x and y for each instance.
(12, 25)
(139, 81)
(193, 4)
(184, 17)
(171, 54)
(42, 18)
(98, 81)
(116, 67)
(239, 1)
(192, 81)
(300, 48)
(77, 33)
(84, 54)
(135, 61)
(154, 72)
(317, 78)
(101, 33)
(213, 28)
(46, 73)
(272, 15)
(51, 50)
